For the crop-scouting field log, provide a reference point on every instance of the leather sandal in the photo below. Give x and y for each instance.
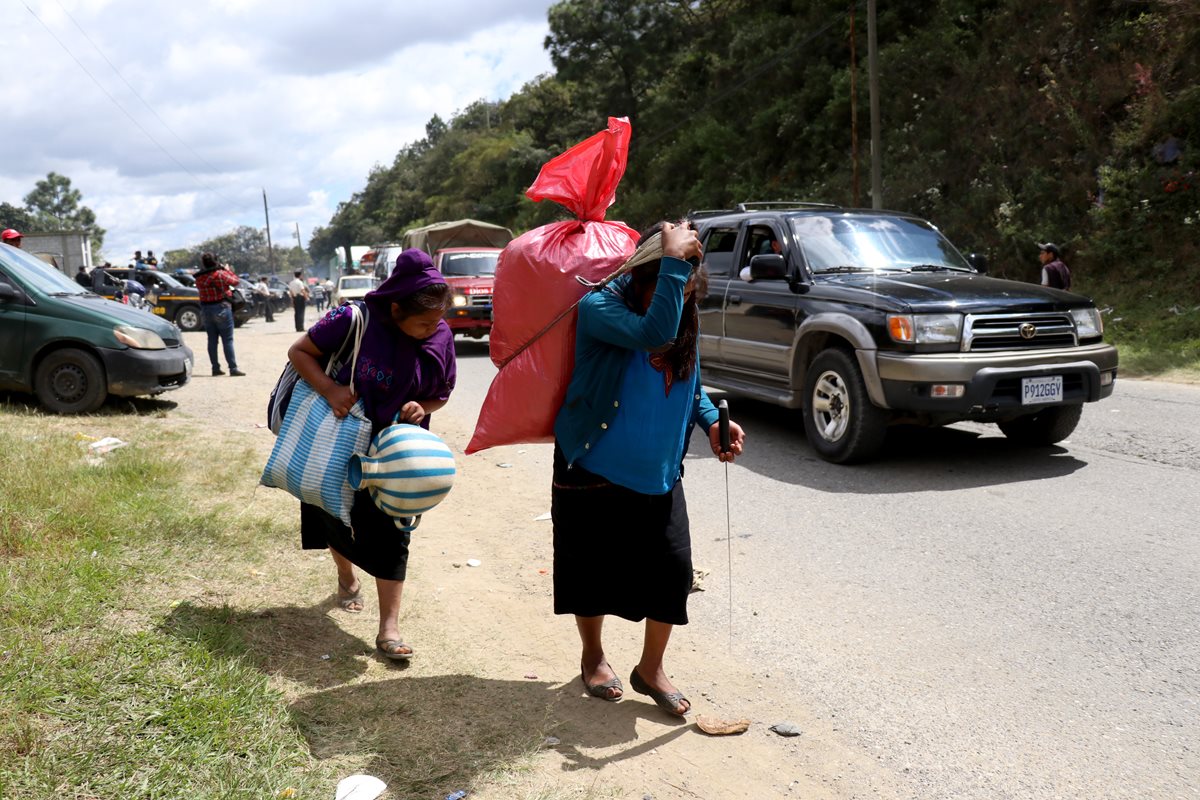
(601, 690)
(667, 701)
(347, 600)
(390, 648)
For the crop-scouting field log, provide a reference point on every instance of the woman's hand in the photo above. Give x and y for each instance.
(340, 399)
(680, 241)
(412, 412)
(737, 438)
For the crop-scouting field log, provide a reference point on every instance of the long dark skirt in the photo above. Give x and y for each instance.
(617, 551)
(374, 543)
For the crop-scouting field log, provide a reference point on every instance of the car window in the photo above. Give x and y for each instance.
(357, 282)
(469, 263)
(718, 250)
(162, 278)
(38, 273)
(873, 243)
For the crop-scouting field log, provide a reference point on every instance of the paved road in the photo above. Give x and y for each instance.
(988, 621)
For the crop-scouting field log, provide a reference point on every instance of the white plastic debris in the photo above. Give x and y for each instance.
(359, 787)
(105, 445)
(542, 517)
(504, 466)
(473, 562)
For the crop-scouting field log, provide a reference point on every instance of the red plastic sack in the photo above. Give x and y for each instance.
(535, 282)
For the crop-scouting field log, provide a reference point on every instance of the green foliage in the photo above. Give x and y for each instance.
(53, 205)
(244, 249)
(1006, 122)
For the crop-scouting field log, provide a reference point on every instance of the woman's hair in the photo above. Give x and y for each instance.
(434, 297)
(208, 261)
(680, 352)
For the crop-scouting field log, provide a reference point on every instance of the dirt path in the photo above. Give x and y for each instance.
(490, 629)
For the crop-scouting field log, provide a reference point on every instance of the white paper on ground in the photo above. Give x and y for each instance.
(359, 787)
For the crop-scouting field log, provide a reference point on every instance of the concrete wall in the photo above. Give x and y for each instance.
(69, 249)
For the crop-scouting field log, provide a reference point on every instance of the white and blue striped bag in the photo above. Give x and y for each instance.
(312, 454)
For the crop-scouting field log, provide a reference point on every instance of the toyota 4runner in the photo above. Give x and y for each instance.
(866, 318)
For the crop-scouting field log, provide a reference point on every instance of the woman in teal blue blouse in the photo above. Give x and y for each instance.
(621, 540)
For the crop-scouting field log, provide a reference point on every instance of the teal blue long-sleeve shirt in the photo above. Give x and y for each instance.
(605, 333)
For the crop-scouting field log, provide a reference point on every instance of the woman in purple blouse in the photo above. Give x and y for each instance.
(405, 371)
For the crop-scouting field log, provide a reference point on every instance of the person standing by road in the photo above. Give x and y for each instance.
(299, 294)
(406, 371)
(621, 538)
(82, 277)
(215, 284)
(11, 236)
(1055, 273)
(263, 292)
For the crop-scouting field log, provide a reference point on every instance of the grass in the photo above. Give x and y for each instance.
(127, 672)
(92, 702)
(1156, 332)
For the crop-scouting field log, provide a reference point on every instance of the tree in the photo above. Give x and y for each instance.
(14, 217)
(55, 206)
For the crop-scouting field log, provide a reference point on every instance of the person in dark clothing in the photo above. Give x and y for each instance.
(1055, 273)
(82, 277)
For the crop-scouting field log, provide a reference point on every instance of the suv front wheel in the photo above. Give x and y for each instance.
(841, 423)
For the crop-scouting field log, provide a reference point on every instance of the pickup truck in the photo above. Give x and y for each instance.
(865, 318)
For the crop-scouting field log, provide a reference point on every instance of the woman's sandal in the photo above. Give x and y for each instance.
(601, 690)
(667, 701)
(347, 601)
(390, 648)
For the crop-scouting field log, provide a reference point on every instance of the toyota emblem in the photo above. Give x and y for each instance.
(1027, 330)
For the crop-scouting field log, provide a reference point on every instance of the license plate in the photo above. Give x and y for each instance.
(1041, 390)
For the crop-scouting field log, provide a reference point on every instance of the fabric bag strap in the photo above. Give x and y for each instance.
(359, 315)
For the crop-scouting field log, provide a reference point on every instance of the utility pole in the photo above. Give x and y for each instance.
(854, 108)
(270, 250)
(299, 243)
(876, 143)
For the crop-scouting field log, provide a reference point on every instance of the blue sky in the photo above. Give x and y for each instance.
(186, 112)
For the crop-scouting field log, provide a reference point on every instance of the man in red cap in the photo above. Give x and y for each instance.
(12, 237)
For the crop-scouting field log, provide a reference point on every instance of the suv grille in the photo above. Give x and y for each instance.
(1013, 331)
(481, 299)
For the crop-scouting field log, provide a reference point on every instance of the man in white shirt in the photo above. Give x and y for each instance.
(263, 292)
(299, 294)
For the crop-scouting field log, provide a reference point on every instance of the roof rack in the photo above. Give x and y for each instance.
(708, 212)
(765, 204)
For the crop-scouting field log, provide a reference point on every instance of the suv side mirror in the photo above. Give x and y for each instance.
(978, 262)
(767, 267)
(7, 293)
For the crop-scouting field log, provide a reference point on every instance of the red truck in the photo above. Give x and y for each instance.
(466, 252)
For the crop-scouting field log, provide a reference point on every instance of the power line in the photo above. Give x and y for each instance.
(233, 204)
(149, 108)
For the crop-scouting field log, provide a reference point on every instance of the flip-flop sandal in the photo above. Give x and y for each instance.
(346, 600)
(388, 647)
(601, 689)
(667, 701)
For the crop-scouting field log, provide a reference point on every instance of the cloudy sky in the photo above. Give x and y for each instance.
(192, 109)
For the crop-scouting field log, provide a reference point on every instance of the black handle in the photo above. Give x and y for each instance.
(735, 299)
(723, 424)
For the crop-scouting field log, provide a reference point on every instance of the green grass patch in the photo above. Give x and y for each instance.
(1156, 332)
(91, 703)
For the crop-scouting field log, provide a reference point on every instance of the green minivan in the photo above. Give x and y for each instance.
(73, 348)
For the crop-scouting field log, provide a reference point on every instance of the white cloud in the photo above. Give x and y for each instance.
(300, 99)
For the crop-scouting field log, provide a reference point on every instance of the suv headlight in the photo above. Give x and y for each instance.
(460, 300)
(925, 328)
(1088, 323)
(139, 338)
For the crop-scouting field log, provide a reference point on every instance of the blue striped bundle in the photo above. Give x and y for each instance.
(312, 454)
(408, 471)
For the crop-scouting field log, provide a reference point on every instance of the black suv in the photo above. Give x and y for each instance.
(865, 318)
(172, 300)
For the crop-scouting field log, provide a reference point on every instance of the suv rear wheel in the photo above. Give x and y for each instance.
(841, 423)
(1046, 427)
(70, 382)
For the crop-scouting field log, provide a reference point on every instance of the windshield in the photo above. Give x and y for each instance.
(165, 278)
(37, 274)
(835, 243)
(469, 263)
(363, 282)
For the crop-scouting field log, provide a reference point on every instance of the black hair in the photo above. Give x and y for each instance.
(680, 352)
(435, 297)
(208, 261)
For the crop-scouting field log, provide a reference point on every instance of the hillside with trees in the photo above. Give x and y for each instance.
(1006, 122)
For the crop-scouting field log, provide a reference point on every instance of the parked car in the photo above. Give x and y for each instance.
(353, 287)
(865, 318)
(172, 300)
(72, 348)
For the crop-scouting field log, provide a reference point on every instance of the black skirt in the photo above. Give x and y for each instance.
(617, 551)
(373, 543)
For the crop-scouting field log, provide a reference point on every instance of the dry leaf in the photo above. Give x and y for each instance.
(721, 727)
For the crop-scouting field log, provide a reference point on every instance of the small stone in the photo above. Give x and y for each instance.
(504, 466)
(786, 729)
(325, 658)
(456, 565)
(551, 741)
